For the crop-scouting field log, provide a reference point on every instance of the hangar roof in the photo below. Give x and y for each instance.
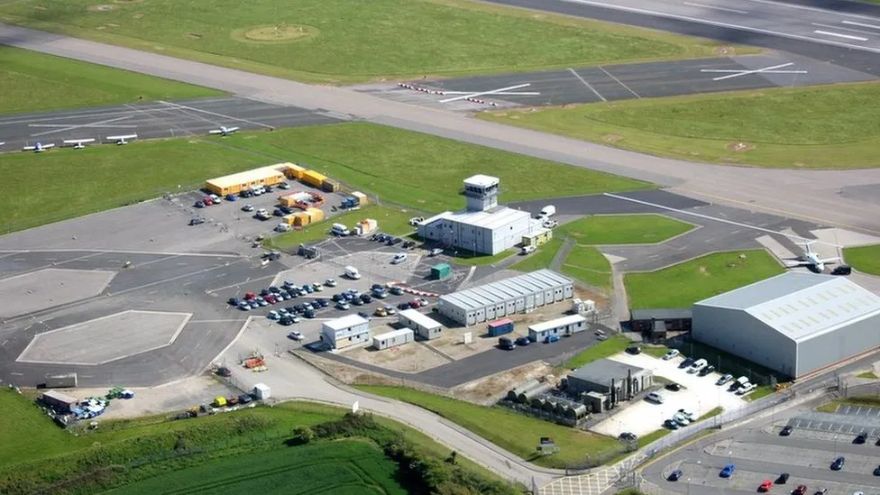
(505, 290)
(801, 305)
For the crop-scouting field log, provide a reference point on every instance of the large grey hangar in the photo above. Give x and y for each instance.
(795, 323)
(505, 297)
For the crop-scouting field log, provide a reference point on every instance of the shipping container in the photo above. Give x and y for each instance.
(500, 327)
(328, 185)
(293, 171)
(441, 271)
(362, 198)
(313, 178)
(315, 214)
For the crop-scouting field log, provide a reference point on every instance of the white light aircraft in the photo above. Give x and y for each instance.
(224, 131)
(78, 144)
(122, 139)
(39, 147)
(811, 259)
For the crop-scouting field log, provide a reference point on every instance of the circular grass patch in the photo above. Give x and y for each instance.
(274, 34)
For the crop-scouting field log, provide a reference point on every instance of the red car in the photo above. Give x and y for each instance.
(249, 295)
(800, 490)
(766, 485)
(208, 201)
(271, 299)
(415, 304)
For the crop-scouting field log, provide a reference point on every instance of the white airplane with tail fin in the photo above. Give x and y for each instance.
(811, 259)
(39, 147)
(78, 144)
(224, 131)
(122, 139)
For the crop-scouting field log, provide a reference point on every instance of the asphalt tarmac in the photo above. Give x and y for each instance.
(153, 120)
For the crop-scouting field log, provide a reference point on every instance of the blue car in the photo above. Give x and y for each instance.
(728, 470)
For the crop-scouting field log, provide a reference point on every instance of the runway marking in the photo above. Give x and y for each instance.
(745, 72)
(726, 24)
(500, 91)
(839, 35)
(619, 82)
(581, 79)
(735, 11)
(100, 251)
(69, 127)
(716, 219)
(861, 31)
(179, 106)
(862, 24)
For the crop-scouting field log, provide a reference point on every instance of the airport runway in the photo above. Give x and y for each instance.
(153, 120)
(629, 81)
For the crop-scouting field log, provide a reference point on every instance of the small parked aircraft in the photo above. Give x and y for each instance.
(39, 147)
(78, 144)
(811, 259)
(122, 139)
(223, 131)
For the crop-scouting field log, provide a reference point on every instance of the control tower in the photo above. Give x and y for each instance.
(481, 192)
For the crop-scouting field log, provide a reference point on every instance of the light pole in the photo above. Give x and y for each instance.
(689, 486)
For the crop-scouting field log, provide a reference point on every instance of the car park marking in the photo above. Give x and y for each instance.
(861, 31)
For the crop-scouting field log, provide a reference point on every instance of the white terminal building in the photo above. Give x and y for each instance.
(348, 331)
(483, 227)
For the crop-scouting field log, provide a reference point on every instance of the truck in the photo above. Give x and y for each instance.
(339, 229)
(547, 212)
(350, 202)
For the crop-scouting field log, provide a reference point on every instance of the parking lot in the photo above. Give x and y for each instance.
(698, 395)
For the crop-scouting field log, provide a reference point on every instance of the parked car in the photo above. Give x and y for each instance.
(671, 424)
(698, 365)
(435, 252)
(390, 310)
(247, 208)
(748, 387)
(196, 221)
(380, 312)
(860, 438)
(506, 343)
(765, 486)
(681, 419)
(782, 479)
(309, 313)
(273, 315)
(199, 204)
(403, 305)
(322, 302)
(688, 414)
(396, 291)
(244, 306)
(523, 341)
(330, 282)
(786, 431)
(686, 363)
(231, 197)
(654, 397)
(245, 399)
(800, 490)
(842, 270)
(628, 436)
(286, 320)
(364, 315)
(634, 349)
(675, 387)
(551, 339)
(838, 463)
(724, 379)
(877, 471)
(675, 475)
(398, 258)
(705, 371)
(343, 306)
(671, 353)
(821, 491)
(357, 301)
(727, 471)
(233, 301)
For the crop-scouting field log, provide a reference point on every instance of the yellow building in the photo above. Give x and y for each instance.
(537, 238)
(293, 171)
(313, 178)
(236, 183)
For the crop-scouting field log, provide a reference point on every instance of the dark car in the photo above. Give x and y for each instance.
(786, 431)
(366, 298)
(800, 490)
(338, 297)
(245, 399)
(628, 436)
(397, 291)
(838, 463)
(224, 371)
(364, 315)
(286, 321)
(877, 471)
(403, 305)
(675, 475)
(273, 289)
(671, 424)
(686, 363)
(523, 341)
(357, 301)
(782, 479)
(196, 221)
(264, 292)
(860, 438)
(634, 349)
(506, 344)
(233, 301)
(322, 302)
(705, 371)
(842, 270)
(199, 204)
(309, 313)
(673, 386)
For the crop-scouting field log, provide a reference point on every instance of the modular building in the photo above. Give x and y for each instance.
(484, 227)
(236, 183)
(313, 178)
(348, 331)
(567, 325)
(538, 237)
(500, 327)
(393, 338)
(293, 171)
(425, 327)
(62, 403)
(794, 323)
(616, 380)
(441, 271)
(505, 297)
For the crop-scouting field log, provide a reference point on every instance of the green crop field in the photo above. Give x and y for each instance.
(31, 81)
(682, 285)
(779, 128)
(347, 40)
(515, 432)
(624, 229)
(407, 168)
(864, 258)
(391, 221)
(344, 467)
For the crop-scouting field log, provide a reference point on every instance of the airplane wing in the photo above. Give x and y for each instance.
(78, 141)
(47, 146)
(127, 136)
(29, 148)
(232, 129)
(830, 260)
(793, 263)
(215, 131)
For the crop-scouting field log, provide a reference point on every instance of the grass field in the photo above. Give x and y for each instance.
(344, 467)
(497, 425)
(346, 41)
(868, 375)
(852, 401)
(864, 258)
(623, 229)
(392, 221)
(541, 258)
(681, 285)
(588, 265)
(610, 347)
(407, 168)
(778, 128)
(31, 81)
(468, 259)
(653, 436)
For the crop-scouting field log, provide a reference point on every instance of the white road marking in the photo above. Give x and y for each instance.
(179, 106)
(581, 79)
(724, 24)
(716, 219)
(735, 11)
(619, 82)
(862, 24)
(812, 9)
(860, 31)
(839, 35)
(69, 127)
(465, 96)
(744, 72)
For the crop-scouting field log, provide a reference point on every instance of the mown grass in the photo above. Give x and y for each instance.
(588, 265)
(870, 401)
(869, 375)
(515, 432)
(760, 391)
(865, 259)
(541, 258)
(610, 347)
(715, 411)
(392, 221)
(346, 41)
(779, 128)
(468, 259)
(32, 81)
(624, 229)
(682, 285)
(653, 437)
(401, 167)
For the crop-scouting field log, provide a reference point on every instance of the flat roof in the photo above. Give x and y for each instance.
(248, 176)
(661, 314)
(59, 396)
(498, 292)
(393, 333)
(558, 322)
(419, 318)
(481, 180)
(801, 305)
(344, 322)
(603, 371)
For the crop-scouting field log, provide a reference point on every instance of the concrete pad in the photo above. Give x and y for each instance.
(42, 289)
(844, 238)
(699, 396)
(105, 339)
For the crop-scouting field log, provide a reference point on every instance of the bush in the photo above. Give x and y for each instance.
(302, 435)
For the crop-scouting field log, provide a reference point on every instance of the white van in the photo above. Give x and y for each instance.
(282, 227)
(746, 388)
(352, 273)
(339, 229)
(698, 365)
(547, 212)
(527, 249)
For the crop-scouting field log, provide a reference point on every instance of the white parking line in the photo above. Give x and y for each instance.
(581, 79)
(845, 36)
(725, 9)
